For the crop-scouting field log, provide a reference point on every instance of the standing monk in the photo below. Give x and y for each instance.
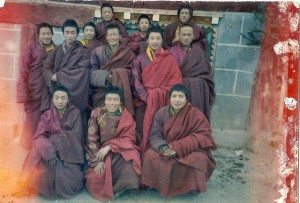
(179, 160)
(137, 42)
(53, 165)
(69, 65)
(114, 159)
(31, 83)
(111, 64)
(107, 14)
(171, 35)
(154, 73)
(195, 69)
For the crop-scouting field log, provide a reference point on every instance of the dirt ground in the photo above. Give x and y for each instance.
(243, 175)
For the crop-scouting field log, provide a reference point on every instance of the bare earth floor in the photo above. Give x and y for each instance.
(241, 177)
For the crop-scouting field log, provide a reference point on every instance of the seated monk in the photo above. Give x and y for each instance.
(154, 73)
(53, 166)
(89, 34)
(179, 160)
(196, 71)
(113, 158)
(137, 42)
(171, 35)
(111, 64)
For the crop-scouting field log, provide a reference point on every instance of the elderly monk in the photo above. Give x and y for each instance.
(114, 159)
(171, 35)
(31, 84)
(107, 14)
(53, 166)
(111, 64)
(89, 34)
(137, 42)
(195, 69)
(179, 160)
(69, 65)
(154, 73)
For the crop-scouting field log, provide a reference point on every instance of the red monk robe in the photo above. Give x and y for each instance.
(60, 138)
(152, 82)
(119, 64)
(189, 134)
(30, 87)
(196, 76)
(137, 43)
(122, 164)
(72, 71)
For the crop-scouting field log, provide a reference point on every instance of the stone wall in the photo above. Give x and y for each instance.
(235, 64)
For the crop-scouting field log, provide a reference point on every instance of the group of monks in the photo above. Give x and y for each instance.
(116, 113)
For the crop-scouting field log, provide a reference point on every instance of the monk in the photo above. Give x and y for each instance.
(171, 35)
(137, 41)
(69, 65)
(53, 166)
(154, 73)
(31, 84)
(89, 34)
(179, 160)
(114, 159)
(195, 69)
(111, 64)
(107, 14)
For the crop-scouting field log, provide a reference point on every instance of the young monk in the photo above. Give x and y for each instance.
(31, 84)
(111, 64)
(195, 69)
(137, 42)
(179, 160)
(171, 35)
(154, 73)
(107, 14)
(68, 65)
(53, 166)
(89, 34)
(114, 159)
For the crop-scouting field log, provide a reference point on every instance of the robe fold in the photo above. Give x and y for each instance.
(170, 32)
(30, 87)
(152, 82)
(119, 65)
(60, 138)
(122, 164)
(197, 76)
(137, 43)
(189, 134)
(72, 71)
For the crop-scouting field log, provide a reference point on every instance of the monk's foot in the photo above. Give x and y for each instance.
(194, 192)
(120, 193)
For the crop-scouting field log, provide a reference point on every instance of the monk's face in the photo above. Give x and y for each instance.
(60, 99)
(155, 41)
(89, 32)
(112, 102)
(107, 14)
(184, 15)
(45, 35)
(144, 25)
(70, 34)
(177, 100)
(186, 35)
(113, 37)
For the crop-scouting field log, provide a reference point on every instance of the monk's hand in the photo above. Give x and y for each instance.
(101, 154)
(99, 168)
(51, 162)
(54, 78)
(108, 78)
(169, 153)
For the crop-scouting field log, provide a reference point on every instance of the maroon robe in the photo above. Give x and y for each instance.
(196, 76)
(122, 164)
(72, 71)
(189, 134)
(152, 81)
(30, 87)
(137, 43)
(119, 64)
(169, 35)
(60, 138)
